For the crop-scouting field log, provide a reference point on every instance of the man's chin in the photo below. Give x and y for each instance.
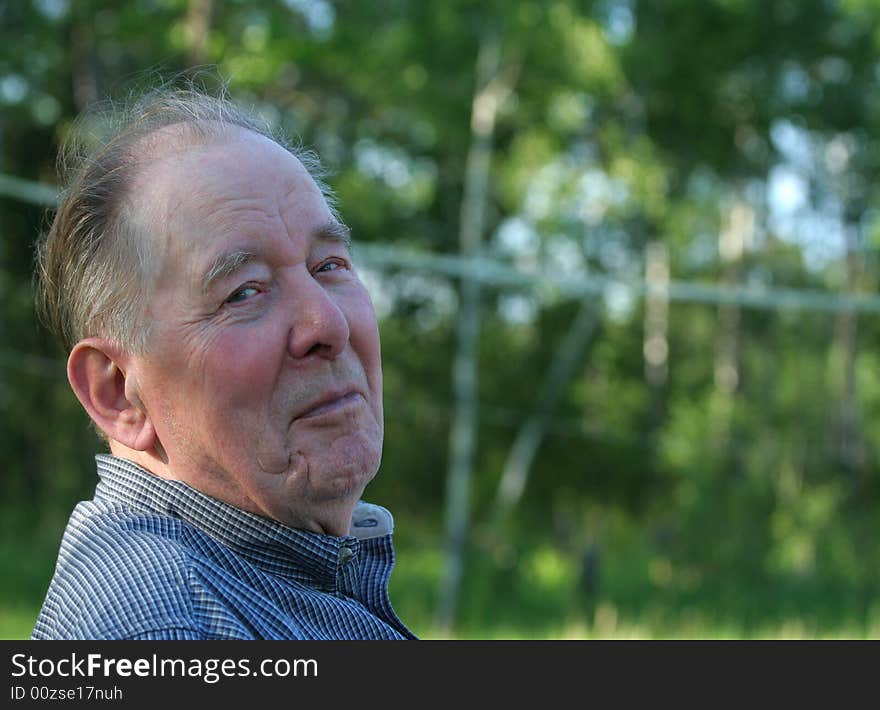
(327, 509)
(343, 483)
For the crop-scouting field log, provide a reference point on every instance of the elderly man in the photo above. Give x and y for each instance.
(221, 341)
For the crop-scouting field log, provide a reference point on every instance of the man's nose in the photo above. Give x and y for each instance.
(319, 325)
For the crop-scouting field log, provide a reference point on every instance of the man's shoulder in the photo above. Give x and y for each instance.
(119, 563)
(114, 533)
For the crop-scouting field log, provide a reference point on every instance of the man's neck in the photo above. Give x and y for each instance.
(334, 518)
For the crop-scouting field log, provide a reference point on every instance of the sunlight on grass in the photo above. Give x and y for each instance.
(636, 630)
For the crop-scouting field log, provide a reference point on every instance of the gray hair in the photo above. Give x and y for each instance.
(94, 264)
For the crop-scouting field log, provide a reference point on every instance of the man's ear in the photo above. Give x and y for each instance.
(96, 369)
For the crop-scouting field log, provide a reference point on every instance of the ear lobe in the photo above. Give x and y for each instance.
(97, 376)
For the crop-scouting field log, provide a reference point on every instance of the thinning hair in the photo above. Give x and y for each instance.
(95, 262)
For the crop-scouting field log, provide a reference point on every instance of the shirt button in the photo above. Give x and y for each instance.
(345, 555)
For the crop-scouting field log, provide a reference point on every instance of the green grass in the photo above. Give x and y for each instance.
(533, 592)
(16, 622)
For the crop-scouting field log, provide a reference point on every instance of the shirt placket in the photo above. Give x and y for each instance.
(348, 567)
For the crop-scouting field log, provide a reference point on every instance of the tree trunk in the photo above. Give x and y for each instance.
(531, 433)
(492, 87)
(732, 241)
(198, 25)
(847, 426)
(656, 344)
(84, 63)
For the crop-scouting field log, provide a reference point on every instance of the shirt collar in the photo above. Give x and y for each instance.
(271, 546)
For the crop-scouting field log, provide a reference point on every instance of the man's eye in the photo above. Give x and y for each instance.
(330, 266)
(242, 294)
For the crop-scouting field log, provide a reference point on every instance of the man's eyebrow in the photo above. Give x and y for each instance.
(334, 231)
(225, 264)
(229, 262)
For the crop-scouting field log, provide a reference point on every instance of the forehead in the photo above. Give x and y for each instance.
(235, 189)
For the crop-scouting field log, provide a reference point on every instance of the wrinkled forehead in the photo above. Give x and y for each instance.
(190, 195)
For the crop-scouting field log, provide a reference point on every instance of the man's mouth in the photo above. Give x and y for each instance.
(333, 403)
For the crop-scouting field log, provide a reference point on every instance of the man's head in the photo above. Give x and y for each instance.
(218, 332)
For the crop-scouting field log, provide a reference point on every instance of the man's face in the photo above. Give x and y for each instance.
(263, 375)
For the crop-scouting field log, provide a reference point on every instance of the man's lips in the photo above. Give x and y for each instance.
(332, 403)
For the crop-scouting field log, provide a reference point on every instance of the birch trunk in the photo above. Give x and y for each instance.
(847, 426)
(531, 433)
(492, 87)
(736, 234)
(198, 25)
(655, 348)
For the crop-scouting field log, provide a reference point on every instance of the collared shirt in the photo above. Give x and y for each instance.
(150, 558)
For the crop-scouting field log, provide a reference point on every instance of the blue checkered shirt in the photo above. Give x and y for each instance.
(150, 558)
